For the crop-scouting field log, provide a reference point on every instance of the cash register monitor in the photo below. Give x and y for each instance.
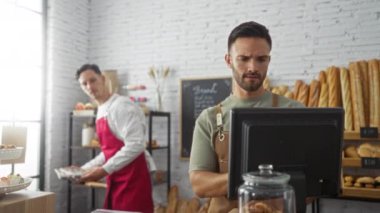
(303, 142)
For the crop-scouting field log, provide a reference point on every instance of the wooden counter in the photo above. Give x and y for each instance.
(26, 201)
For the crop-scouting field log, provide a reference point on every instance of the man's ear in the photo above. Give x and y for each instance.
(227, 59)
(103, 77)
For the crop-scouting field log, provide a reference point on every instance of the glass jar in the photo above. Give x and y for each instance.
(266, 191)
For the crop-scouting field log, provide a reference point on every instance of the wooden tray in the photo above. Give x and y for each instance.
(352, 162)
(361, 192)
(355, 136)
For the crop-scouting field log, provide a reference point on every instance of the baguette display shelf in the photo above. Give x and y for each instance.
(357, 164)
(12, 154)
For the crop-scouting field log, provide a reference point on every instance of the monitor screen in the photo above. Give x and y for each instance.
(303, 142)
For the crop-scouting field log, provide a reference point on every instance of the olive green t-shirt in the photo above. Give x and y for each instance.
(203, 156)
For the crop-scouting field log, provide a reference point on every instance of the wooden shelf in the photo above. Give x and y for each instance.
(355, 136)
(361, 192)
(96, 184)
(352, 162)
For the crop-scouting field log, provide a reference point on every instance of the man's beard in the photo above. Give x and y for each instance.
(248, 86)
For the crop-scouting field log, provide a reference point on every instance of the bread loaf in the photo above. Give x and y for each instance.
(173, 199)
(334, 87)
(194, 204)
(297, 87)
(324, 96)
(365, 86)
(365, 180)
(289, 94)
(303, 95)
(346, 99)
(357, 96)
(315, 88)
(283, 89)
(266, 83)
(351, 152)
(322, 77)
(374, 93)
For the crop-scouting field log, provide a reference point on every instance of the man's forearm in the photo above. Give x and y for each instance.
(209, 184)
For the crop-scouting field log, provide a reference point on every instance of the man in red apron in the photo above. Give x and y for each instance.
(120, 126)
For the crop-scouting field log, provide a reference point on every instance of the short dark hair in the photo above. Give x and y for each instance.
(85, 67)
(249, 29)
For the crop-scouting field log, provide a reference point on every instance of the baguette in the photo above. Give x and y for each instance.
(374, 93)
(334, 87)
(324, 96)
(303, 94)
(315, 88)
(297, 87)
(357, 96)
(365, 86)
(322, 77)
(346, 97)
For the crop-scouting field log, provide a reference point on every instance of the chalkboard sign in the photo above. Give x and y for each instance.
(196, 95)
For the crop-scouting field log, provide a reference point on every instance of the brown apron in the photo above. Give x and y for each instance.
(221, 146)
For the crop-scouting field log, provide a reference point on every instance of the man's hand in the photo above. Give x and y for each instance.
(93, 174)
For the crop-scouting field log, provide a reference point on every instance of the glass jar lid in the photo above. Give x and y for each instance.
(266, 175)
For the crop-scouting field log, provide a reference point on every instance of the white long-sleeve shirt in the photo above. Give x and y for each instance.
(127, 122)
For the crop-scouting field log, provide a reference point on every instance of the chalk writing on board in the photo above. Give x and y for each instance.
(197, 95)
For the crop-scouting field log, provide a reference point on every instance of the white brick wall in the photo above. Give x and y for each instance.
(191, 37)
(68, 27)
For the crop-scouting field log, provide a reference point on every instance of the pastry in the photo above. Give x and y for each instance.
(348, 179)
(348, 184)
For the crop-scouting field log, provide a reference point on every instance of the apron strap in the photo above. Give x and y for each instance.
(219, 122)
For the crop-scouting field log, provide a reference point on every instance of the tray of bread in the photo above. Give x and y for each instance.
(12, 183)
(361, 186)
(10, 152)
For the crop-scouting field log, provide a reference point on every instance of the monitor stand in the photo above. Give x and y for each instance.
(298, 181)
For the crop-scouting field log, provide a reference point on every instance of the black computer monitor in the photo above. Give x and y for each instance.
(303, 142)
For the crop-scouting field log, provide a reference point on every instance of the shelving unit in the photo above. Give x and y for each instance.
(357, 164)
(70, 154)
(94, 149)
(151, 115)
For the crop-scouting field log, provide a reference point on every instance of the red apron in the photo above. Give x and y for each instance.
(129, 188)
